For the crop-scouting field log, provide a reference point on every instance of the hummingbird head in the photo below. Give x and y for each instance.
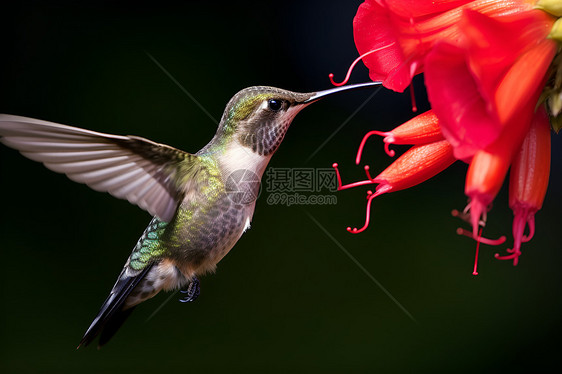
(259, 117)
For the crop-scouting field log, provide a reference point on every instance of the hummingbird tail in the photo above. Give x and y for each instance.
(113, 324)
(112, 313)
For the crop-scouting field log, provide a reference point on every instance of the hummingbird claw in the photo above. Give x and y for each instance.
(192, 291)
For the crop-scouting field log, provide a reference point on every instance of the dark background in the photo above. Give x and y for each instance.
(287, 298)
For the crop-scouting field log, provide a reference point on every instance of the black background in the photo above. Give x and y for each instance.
(287, 298)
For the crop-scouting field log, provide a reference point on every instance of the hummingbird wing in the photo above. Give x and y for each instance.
(145, 173)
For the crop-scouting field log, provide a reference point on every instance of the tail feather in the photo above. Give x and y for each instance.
(112, 315)
(113, 324)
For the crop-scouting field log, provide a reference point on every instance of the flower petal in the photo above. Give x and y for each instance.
(410, 29)
(500, 62)
(372, 29)
(421, 129)
(417, 8)
(528, 181)
(531, 167)
(489, 166)
(465, 119)
(418, 164)
(476, 89)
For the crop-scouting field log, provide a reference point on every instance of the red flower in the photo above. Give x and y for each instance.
(528, 182)
(422, 129)
(485, 89)
(411, 28)
(429, 156)
(486, 63)
(476, 87)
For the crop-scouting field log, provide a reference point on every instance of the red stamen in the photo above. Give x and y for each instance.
(381, 189)
(413, 98)
(388, 139)
(370, 197)
(519, 223)
(369, 174)
(476, 209)
(475, 271)
(522, 218)
(338, 176)
(462, 215)
(531, 224)
(331, 76)
(465, 215)
(513, 256)
(498, 241)
(351, 185)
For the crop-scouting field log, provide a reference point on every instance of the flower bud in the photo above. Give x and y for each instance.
(422, 129)
(528, 181)
(556, 31)
(553, 7)
(417, 165)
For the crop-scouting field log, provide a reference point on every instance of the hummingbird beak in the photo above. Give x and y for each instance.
(322, 94)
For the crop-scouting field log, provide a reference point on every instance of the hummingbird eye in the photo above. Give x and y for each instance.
(274, 105)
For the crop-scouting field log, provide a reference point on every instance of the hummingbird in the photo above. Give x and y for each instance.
(201, 202)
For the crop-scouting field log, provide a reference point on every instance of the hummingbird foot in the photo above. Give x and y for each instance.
(192, 291)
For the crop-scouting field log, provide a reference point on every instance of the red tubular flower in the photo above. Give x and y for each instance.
(486, 63)
(418, 164)
(529, 181)
(421, 129)
(488, 167)
(411, 28)
(486, 95)
(476, 88)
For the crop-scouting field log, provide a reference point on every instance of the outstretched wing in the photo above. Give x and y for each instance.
(146, 173)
